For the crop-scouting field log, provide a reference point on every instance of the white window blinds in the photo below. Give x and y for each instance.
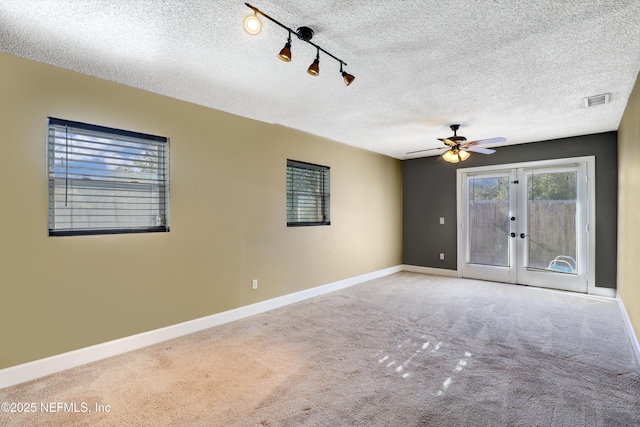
(106, 181)
(308, 195)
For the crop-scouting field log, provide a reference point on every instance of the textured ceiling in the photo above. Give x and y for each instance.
(516, 69)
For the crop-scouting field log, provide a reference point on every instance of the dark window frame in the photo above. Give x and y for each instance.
(82, 167)
(311, 183)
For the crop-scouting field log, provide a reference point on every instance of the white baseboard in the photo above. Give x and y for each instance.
(50, 365)
(602, 292)
(632, 335)
(430, 270)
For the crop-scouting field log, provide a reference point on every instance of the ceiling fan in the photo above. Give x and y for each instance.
(458, 147)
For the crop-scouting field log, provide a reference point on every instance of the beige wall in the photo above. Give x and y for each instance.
(228, 221)
(629, 207)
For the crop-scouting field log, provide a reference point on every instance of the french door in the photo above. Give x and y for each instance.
(527, 224)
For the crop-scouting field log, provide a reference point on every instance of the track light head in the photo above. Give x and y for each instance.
(285, 53)
(348, 78)
(314, 69)
(252, 24)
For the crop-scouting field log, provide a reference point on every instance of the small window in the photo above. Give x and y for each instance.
(307, 194)
(106, 181)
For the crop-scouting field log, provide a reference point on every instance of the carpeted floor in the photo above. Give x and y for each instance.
(404, 350)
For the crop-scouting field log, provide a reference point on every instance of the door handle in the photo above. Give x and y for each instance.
(512, 234)
(522, 235)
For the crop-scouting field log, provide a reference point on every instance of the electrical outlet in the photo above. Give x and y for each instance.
(442, 256)
(254, 284)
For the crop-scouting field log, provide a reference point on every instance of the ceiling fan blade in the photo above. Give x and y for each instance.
(480, 150)
(447, 141)
(428, 149)
(486, 141)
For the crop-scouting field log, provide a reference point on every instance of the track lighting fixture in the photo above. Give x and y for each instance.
(314, 69)
(285, 53)
(252, 25)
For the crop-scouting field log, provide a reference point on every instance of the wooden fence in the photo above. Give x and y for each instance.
(551, 229)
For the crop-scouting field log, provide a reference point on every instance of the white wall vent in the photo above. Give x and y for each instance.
(592, 101)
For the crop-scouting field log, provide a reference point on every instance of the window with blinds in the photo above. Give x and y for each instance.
(106, 181)
(307, 194)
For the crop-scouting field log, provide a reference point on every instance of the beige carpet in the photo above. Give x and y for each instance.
(404, 350)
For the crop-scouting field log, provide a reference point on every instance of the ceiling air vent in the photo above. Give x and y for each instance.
(592, 101)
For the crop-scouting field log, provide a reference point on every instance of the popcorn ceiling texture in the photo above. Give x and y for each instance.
(500, 68)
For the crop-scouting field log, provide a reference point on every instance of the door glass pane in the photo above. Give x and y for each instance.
(551, 209)
(489, 221)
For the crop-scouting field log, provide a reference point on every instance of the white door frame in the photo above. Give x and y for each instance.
(504, 273)
(591, 195)
(578, 281)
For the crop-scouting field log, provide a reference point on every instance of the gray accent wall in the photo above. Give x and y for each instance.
(429, 192)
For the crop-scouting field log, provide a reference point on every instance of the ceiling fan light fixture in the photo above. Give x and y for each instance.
(252, 24)
(450, 156)
(458, 147)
